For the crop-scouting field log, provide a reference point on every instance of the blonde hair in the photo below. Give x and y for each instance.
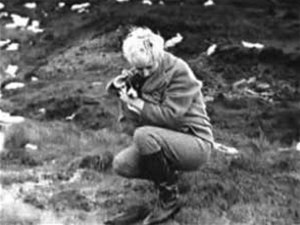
(142, 44)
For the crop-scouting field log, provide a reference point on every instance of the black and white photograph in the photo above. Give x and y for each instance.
(145, 112)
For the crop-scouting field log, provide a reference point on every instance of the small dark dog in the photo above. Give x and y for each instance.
(130, 80)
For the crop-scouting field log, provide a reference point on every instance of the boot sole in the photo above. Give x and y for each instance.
(172, 214)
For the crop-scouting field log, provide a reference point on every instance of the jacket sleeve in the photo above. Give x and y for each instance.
(178, 98)
(128, 120)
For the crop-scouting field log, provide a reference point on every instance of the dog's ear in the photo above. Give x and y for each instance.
(112, 89)
(132, 93)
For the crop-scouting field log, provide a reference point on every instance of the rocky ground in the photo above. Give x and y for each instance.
(252, 98)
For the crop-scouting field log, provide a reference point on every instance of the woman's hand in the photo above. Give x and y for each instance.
(134, 104)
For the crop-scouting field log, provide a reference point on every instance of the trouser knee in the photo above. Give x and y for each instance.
(146, 140)
(120, 166)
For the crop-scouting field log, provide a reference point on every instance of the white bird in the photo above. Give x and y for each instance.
(11, 70)
(18, 21)
(173, 41)
(31, 147)
(30, 5)
(14, 85)
(147, 2)
(211, 50)
(208, 3)
(120, 1)
(42, 110)
(2, 141)
(4, 42)
(1, 5)
(34, 79)
(61, 4)
(252, 45)
(12, 47)
(80, 6)
(34, 27)
(71, 117)
(6, 118)
(3, 14)
(298, 146)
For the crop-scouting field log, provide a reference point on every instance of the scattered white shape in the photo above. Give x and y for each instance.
(225, 149)
(4, 42)
(45, 14)
(31, 147)
(3, 14)
(34, 27)
(161, 3)
(11, 25)
(120, 1)
(251, 92)
(34, 79)
(6, 118)
(209, 99)
(18, 21)
(208, 3)
(2, 140)
(263, 86)
(76, 177)
(97, 83)
(239, 83)
(298, 146)
(71, 117)
(251, 80)
(252, 45)
(30, 5)
(80, 8)
(14, 85)
(11, 70)
(173, 41)
(35, 23)
(211, 50)
(12, 47)
(42, 110)
(1, 5)
(147, 2)
(267, 94)
(61, 4)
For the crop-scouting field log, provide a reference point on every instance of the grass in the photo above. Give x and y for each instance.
(60, 141)
(228, 190)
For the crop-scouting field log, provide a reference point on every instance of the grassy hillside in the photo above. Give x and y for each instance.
(70, 116)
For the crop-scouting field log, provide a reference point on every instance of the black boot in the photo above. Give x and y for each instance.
(159, 171)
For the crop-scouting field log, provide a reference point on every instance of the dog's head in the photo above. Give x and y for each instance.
(130, 81)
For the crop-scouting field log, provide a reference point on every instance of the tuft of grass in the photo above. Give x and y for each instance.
(59, 142)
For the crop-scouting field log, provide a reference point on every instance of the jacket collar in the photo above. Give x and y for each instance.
(161, 76)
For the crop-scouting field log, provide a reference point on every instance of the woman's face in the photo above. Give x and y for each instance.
(146, 68)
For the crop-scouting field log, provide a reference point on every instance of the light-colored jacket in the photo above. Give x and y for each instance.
(173, 100)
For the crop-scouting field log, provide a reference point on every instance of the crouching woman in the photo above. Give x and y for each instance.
(174, 132)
